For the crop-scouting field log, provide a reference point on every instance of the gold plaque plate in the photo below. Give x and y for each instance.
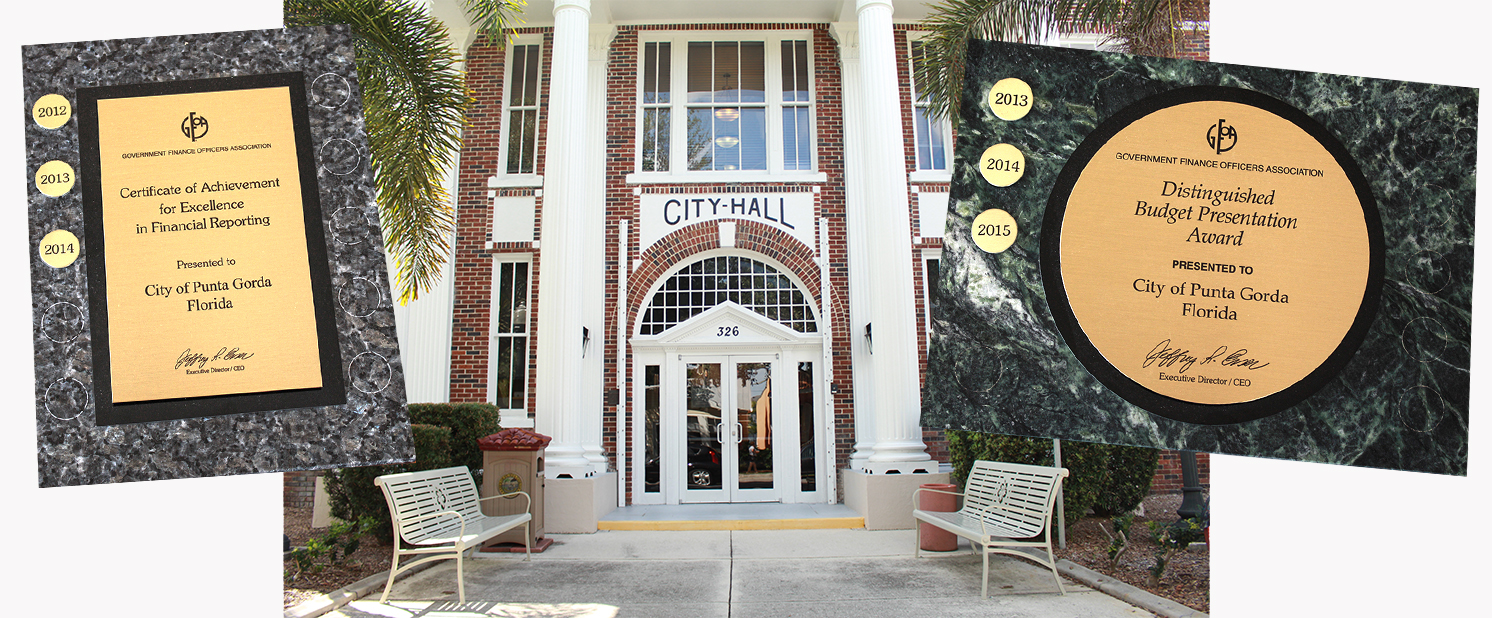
(1212, 255)
(204, 216)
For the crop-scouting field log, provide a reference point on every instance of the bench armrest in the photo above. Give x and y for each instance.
(528, 506)
(982, 529)
(458, 515)
(936, 491)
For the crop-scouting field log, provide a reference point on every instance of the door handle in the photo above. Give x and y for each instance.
(720, 432)
(739, 432)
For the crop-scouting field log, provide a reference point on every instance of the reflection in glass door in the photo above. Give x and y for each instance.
(753, 403)
(704, 433)
(728, 431)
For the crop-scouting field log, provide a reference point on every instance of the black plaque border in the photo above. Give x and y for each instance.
(1134, 392)
(333, 387)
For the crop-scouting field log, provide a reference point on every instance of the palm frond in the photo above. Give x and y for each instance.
(940, 68)
(414, 105)
(495, 17)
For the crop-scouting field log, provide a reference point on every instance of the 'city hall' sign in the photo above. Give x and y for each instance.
(1208, 257)
(663, 213)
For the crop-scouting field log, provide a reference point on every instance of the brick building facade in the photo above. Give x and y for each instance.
(660, 213)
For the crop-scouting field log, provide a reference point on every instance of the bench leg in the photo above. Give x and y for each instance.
(460, 579)
(984, 587)
(917, 551)
(1052, 562)
(528, 547)
(393, 568)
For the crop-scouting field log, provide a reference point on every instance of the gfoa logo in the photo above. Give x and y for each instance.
(1221, 137)
(195, 127)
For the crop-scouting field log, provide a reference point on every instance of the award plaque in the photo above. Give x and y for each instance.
(1247, 271)
(1207, 257)
(210, 281)
(209, 290)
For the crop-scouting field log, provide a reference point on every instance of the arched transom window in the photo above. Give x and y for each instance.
(711, 281)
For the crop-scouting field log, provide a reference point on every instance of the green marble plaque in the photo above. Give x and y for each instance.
(1211, 257)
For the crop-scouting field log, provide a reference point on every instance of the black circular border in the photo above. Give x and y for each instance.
(1132, 391)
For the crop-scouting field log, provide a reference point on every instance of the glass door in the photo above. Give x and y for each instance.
(728, 435)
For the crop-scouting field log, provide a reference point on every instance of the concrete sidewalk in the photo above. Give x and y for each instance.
(736, 574)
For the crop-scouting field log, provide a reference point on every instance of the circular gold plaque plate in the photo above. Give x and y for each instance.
(1212, 255)
(51, 111)
(59, 248)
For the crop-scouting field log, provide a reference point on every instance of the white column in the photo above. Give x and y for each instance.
(848, 36)
(894, 383)
(593, 288)
(561, 314)
(424, 324)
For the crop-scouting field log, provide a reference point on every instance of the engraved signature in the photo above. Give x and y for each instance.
(1236, 359)
(199, 360)
(1163, 355)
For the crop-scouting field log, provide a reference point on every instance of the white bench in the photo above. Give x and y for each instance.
(1005, 506)
(436, 512)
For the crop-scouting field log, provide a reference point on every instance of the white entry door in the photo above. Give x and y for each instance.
(728, 430)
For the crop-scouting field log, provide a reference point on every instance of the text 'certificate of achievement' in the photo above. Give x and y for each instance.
(209, 277)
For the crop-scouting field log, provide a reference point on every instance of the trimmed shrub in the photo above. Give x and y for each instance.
(354, 496)
(1091, 483)
(1130, 470)
(468, 423)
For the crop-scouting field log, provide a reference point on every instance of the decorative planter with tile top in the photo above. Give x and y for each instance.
(513, 460)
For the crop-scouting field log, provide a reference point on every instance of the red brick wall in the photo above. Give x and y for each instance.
(1167, 478)
(481, 150)
(300, 488)
(1196, 43)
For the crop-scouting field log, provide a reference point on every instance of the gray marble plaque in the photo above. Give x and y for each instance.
(1365, 364)
(360, 417)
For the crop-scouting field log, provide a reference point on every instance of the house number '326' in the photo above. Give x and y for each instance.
(728, 331)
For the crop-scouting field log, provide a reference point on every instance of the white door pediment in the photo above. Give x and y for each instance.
(726, 323)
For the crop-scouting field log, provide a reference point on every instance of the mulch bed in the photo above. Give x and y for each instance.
(1185, 581)
(1186, 578)
(371, 558)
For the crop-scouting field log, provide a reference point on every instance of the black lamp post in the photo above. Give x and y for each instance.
(1191, 487)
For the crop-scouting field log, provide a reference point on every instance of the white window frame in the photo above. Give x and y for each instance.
(941, 126)
(502, 178)
(510, 417)
(678, 120)
(1085, 40)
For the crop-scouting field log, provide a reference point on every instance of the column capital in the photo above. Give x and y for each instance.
(847, 33)
(584, 5)
(861, 5)
(599, 44)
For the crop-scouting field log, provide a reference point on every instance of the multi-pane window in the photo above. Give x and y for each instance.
(744, 281)
(655, 106)
(727, 102)
(931, 134)
(523, 109)
(509, 353)
(796, 107)
(743, 105)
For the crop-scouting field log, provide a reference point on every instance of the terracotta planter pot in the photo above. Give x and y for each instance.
(933, 537)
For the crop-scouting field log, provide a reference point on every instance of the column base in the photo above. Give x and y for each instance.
(885, 500)
(575, 505)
